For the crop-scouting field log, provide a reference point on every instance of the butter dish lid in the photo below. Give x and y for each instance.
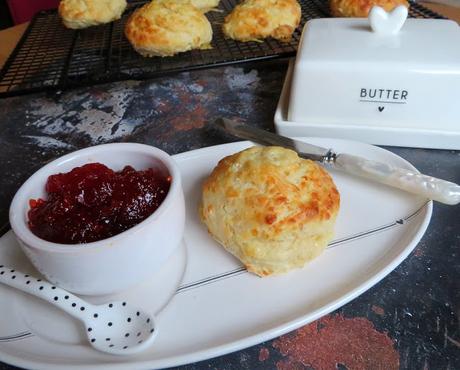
(385, 80)
(421, 42)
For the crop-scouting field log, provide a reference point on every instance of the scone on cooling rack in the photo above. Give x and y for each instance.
(361, 8)
(258, 19)
(85, 13)
(167, 27)
(271, 209)
(205, 5)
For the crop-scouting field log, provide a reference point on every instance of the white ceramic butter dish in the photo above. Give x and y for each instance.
(379, 85)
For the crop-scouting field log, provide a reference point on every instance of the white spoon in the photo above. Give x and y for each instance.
(115, 328)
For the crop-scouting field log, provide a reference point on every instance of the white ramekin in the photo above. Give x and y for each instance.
(116, 263)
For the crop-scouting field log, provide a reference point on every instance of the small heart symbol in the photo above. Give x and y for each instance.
(385, 23)
(381, 109)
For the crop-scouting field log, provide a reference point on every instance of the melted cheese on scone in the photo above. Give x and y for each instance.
(257, 19)
(271, 209)
(85, 13)
(168, 27)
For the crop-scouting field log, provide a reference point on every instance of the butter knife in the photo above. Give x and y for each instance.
(413, 182)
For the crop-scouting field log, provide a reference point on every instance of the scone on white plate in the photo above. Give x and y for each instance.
(269, 208)
(85, 13)
(168, 27)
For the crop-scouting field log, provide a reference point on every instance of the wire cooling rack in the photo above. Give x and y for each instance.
(50, 56)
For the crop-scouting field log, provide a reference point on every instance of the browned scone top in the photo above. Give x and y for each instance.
(270, 208)
(258, 19)
(361, 8)
(85, 13)
(168, 27)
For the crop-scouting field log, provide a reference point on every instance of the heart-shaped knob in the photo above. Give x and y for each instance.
(385, 23)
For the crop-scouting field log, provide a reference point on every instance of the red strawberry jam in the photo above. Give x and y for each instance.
(92, 202)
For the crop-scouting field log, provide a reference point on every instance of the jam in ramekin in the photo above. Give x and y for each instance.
(93, 202)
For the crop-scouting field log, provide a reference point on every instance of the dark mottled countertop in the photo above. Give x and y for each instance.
(410, 320)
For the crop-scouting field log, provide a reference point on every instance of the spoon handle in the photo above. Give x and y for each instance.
(58, 297)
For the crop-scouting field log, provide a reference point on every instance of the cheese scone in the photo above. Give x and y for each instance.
(270, 208)
(168, 27)
(85, 13)
(258, 19)
(361, 8)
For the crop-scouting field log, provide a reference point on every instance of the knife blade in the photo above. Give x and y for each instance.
(411, 181)
(305, 150)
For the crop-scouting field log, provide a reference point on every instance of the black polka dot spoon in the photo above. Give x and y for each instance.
(115, 328)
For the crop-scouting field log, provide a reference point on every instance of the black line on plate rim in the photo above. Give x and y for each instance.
(376, 230)
(211, 279)
(15, 337)
(360, 235)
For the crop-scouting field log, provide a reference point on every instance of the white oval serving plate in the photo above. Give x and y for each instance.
(215, 306)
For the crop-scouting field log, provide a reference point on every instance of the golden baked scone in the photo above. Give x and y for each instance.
(271, 209)
(258, 19)
(168, 27)
(361, 8)
(85, 13)
(205, 5)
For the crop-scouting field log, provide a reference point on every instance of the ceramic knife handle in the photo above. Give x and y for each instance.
(413, 182)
